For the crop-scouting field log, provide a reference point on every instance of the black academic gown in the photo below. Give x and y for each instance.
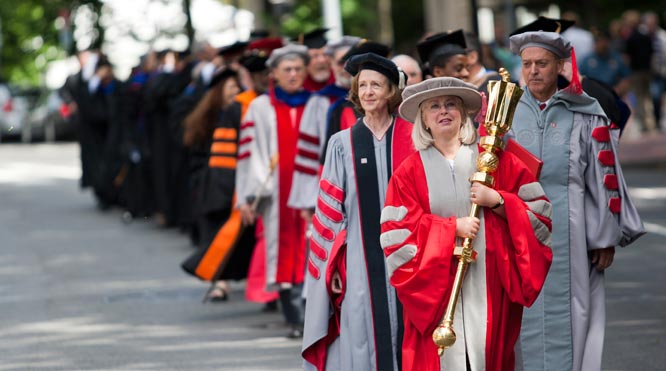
(185, 162)
(160, 93)
(137, 184)
(334, 122)
(215, 200)
(97, 135)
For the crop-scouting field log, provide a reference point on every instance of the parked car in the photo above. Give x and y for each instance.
(49, 119)
(15, 106)
(34, 114)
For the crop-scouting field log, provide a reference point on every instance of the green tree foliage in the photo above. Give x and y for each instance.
(408, 25)
(599, 13)
(29, 38)
(358, 17)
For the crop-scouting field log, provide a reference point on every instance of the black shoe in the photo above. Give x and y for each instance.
(103, 205)
(296, 332)
(127, 217)
(216, 294)
(270, 307)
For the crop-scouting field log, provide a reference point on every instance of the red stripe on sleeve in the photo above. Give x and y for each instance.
(314, 271)
(305, 170)
(610, 181)
(317, 250)
(308, 154)
(332, 190)
(323, 231)
(329, 211)
(244, 155)
(245, 140)
(246, 125)
(601, 134)
(615, 204)
(309, 138)
(606, 157)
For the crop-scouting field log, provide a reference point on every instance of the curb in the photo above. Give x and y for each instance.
(648, 150)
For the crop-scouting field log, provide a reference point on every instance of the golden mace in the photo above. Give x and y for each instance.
(502, 102)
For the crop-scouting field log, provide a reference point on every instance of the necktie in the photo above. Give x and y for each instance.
(542, 106)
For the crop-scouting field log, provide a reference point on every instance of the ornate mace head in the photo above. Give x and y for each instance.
(503, 97)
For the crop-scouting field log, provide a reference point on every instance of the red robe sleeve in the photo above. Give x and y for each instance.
(525, 250)
(517, 262)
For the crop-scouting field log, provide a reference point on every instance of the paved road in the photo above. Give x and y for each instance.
(79, 290)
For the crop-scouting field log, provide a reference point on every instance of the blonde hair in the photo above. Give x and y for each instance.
(423, 139)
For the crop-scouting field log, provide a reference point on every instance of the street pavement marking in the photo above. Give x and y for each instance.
(655, 228)
(650, 193)
(31, 173)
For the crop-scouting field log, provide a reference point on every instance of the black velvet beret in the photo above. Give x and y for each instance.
(374, 62)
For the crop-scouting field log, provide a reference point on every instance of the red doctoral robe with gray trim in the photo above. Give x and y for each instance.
(270, 128)
(425, 195)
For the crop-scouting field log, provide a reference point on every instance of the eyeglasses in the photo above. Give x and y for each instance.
(435, 107)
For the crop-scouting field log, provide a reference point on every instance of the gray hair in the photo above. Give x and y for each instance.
(423, 139)
(289, 57)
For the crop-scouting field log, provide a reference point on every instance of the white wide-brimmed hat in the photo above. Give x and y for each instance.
(414, 95)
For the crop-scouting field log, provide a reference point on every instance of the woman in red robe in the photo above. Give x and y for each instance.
(426, 216)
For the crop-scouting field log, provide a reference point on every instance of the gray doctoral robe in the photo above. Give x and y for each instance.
(564, 329)
(356, 347)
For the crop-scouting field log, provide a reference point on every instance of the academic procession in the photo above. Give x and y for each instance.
(450, 206)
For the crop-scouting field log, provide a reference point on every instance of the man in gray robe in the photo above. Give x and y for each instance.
(592, 211)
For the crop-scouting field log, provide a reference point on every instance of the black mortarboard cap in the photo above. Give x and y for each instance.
(314, 39)
(254, 62)
(442, 44)
(222, 75)
(545, 24)
(374, 62)
(258, 34)
(233, 49)
(367, 46)
(610, 102)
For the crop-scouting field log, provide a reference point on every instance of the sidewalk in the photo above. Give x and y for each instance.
(647, 150)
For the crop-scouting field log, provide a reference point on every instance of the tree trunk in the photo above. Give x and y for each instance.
(189, 29)
(99, 30)
(385, 22)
